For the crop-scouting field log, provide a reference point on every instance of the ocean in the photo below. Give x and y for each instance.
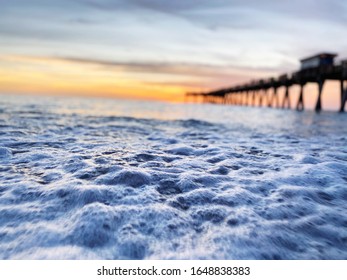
(114, 179)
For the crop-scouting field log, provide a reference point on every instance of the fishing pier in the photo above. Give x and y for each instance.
(315, 69)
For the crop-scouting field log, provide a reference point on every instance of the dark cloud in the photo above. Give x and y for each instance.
(150, 67)
(171, 68)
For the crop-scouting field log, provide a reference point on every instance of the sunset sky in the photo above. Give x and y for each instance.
(159, 49)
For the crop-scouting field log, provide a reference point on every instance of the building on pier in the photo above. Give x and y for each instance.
(322, 59)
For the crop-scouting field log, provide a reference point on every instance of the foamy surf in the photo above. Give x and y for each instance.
(203, 182)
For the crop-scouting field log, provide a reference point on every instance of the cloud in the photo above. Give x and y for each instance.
(183, 69)
(190, 69)
(165, 73)
(196, 38)
(205, 13)
(232, 13)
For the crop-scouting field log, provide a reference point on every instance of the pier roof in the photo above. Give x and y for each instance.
(320, 55)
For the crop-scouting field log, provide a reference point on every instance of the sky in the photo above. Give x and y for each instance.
(156, 49)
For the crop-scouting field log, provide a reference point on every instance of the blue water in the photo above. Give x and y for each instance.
(112, 179)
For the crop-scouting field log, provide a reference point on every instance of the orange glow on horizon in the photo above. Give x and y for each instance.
(25, 74)
(50, 76)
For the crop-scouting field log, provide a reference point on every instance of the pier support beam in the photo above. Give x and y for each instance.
(266, 97)
(276, 98)
(300, 106)
(318, 107)
(271, 98)
(229, 98)
(286, 99)
(343, 96)
(260, 99)
(253, 98)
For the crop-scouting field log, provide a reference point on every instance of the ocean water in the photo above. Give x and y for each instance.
(112, 179)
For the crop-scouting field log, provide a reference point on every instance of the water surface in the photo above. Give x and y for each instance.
(111, 179)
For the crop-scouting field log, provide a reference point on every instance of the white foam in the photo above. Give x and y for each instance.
(200, 182)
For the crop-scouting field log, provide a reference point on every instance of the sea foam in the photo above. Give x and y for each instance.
(200, 182)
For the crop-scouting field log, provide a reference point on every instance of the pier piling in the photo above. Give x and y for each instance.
(318, 107)
(343, 96)
(286, 99)
(300, 105)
